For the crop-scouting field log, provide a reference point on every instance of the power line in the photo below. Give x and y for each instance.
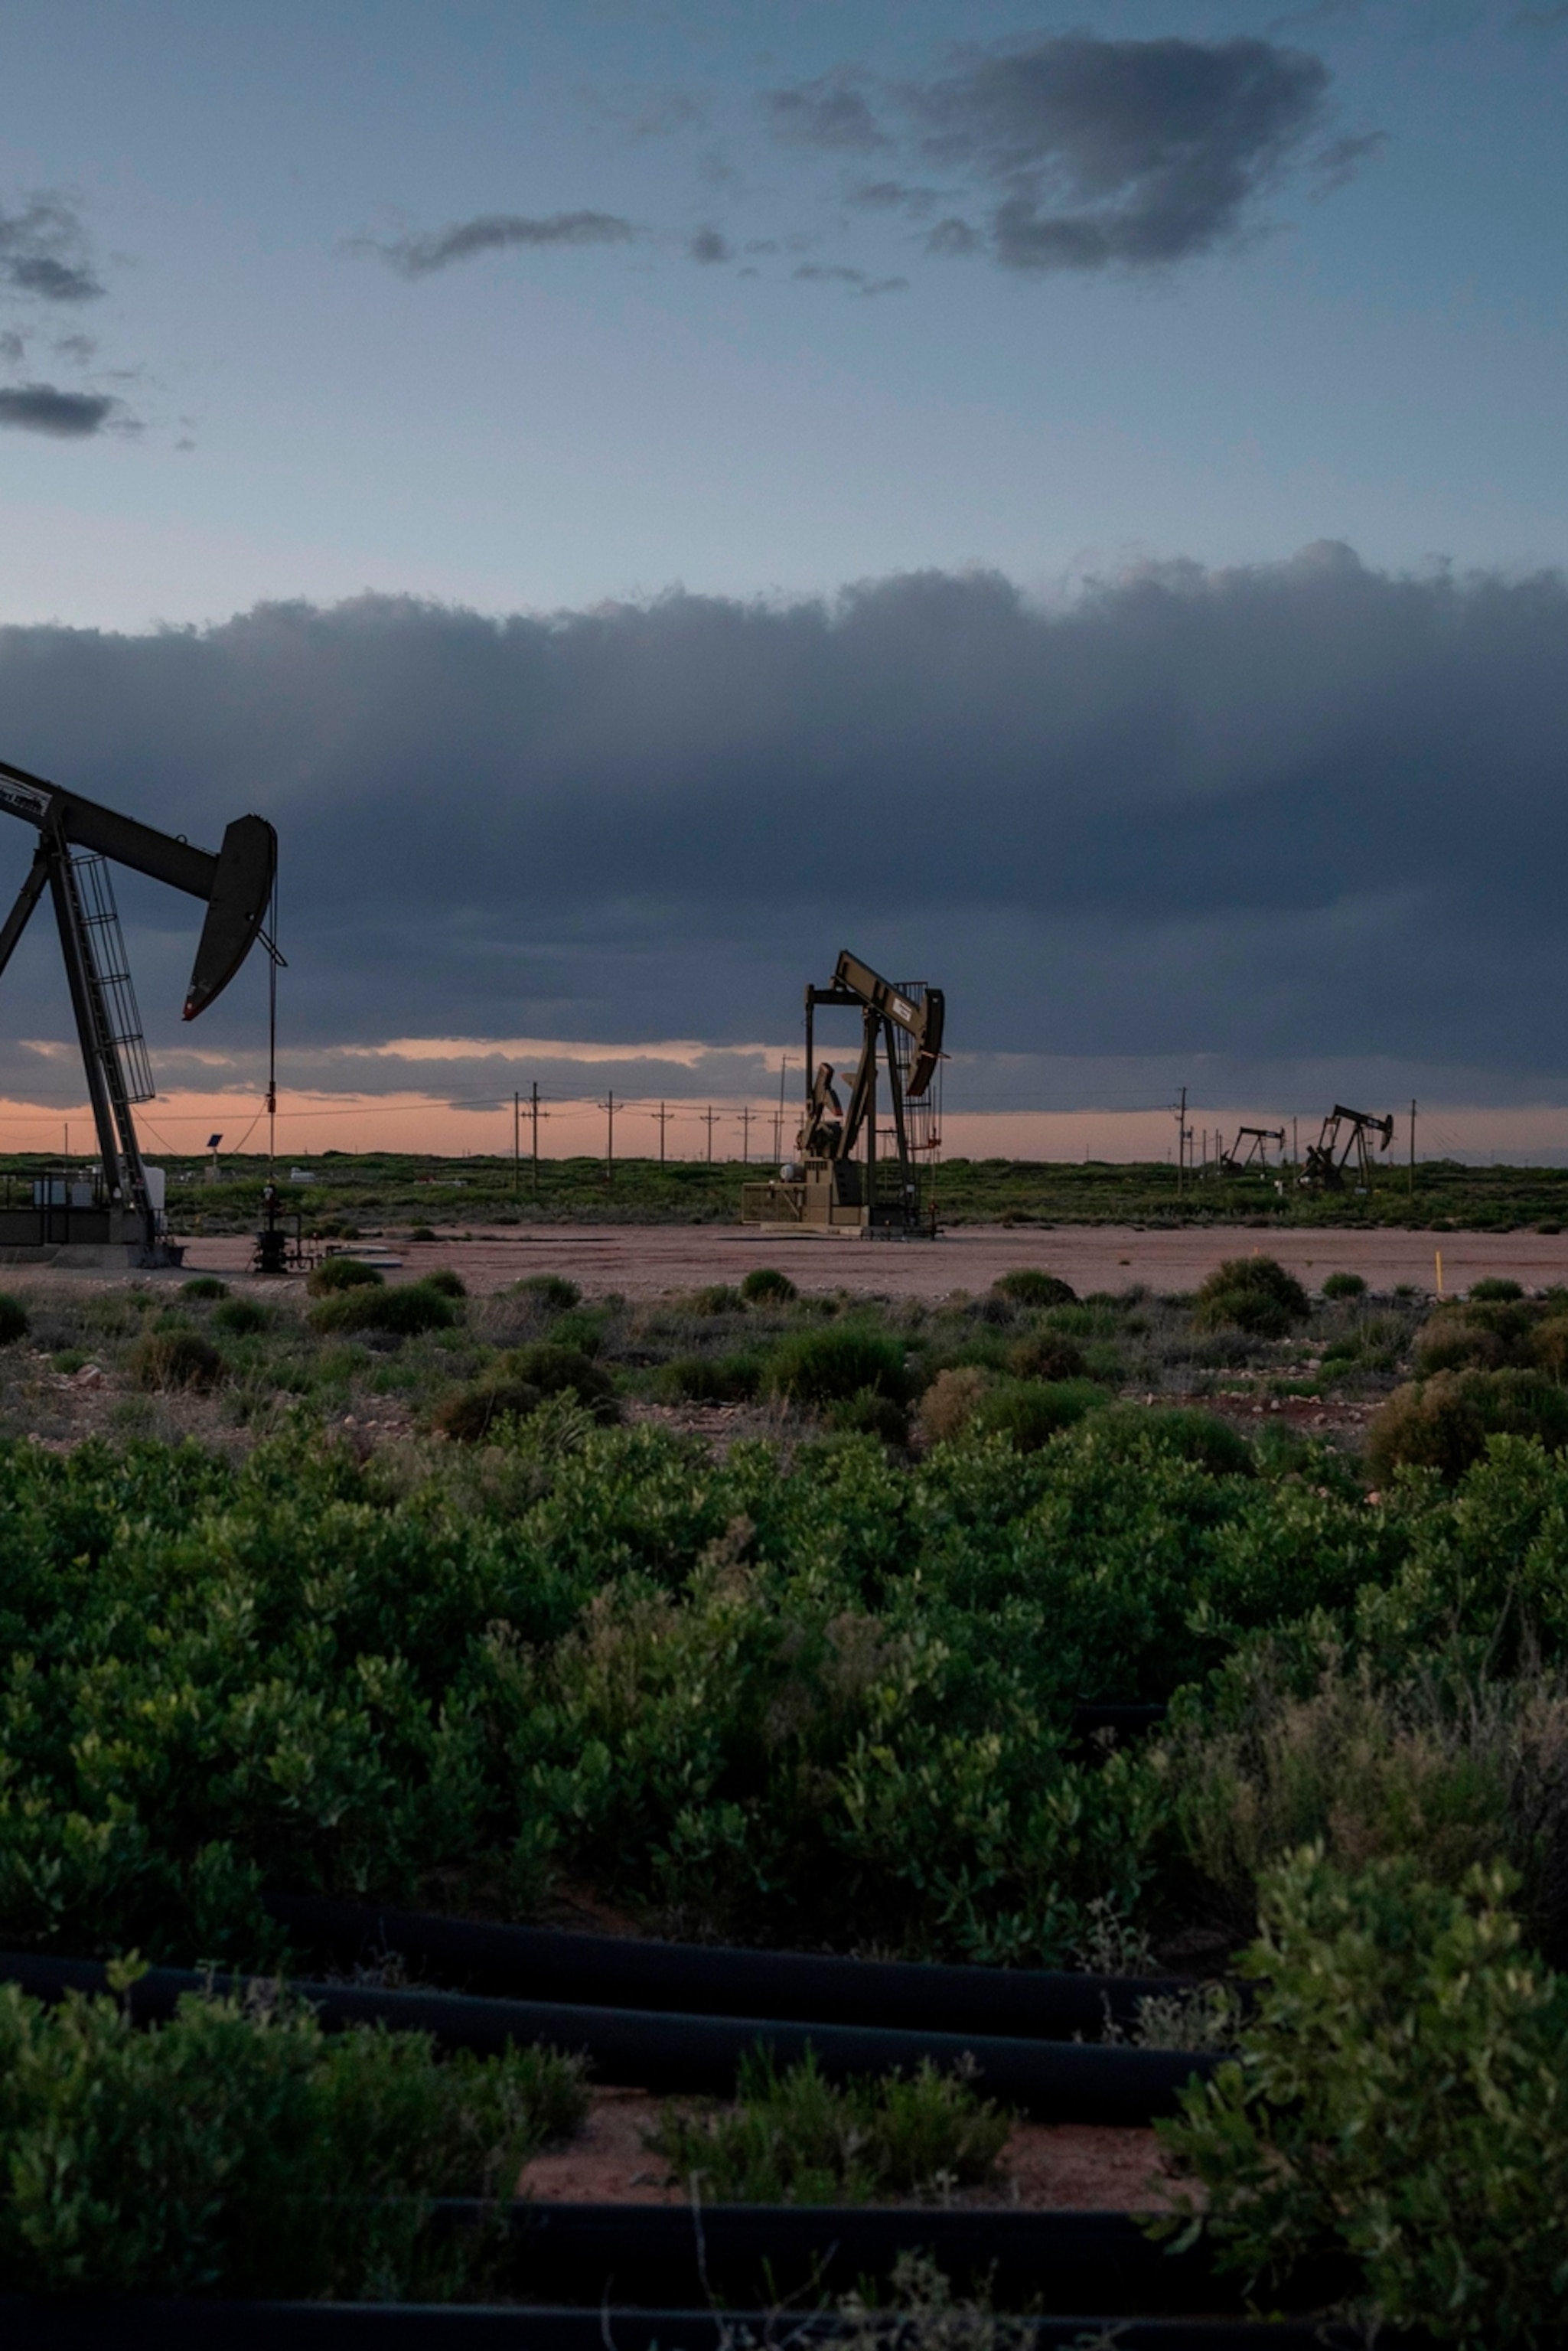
(610, 1109)
(663, 1115)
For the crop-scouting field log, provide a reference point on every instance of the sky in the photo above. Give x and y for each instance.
(1071, 503)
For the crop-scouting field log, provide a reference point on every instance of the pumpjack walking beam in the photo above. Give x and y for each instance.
(75, 835)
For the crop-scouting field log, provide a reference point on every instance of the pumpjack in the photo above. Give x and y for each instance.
(1329, 1156)
(840, 1181)
(117, 1216)
(1236, 1161)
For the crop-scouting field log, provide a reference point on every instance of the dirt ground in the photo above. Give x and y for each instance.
(648, 1261)
(1045, 2167)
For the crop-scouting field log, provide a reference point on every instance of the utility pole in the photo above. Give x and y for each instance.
(610, 1107)
(516, 1145)
(664, 1114)
(1412, 1147)
(778, 1114)
(745, 1115)
(534, 1113)
(1181, 1144)
(709, 1116)
(1295, 1147)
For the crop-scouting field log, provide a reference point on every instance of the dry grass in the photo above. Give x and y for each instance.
(1454, 1768)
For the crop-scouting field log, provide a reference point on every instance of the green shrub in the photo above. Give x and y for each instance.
(1029, 1286)
(1029, 1413)
(795, 2139)
(1046, 1356)
(717, 1298)
(1455, 1341)
(1399, 2098)
(13, 1322)
(817, 1367)
(870, 1413)
(947, 1406)
(553, 1369)
(552, 1291)
(581, 1327)
(175, 1359)
(447, 1280)
(1254, 1294)
(1443, 1423)
(239, 2150)
(1128, 1431)
(470, 1416)
(1496, 1286)
(1548, 1345)
(240, 1317)
(817, 1697)
(421, 1233)
(765, 1286)
(707, 1379)
(340, 1273)
(1375, 1345)
(206, 1286)
(1343, 1285)
(405, 1312)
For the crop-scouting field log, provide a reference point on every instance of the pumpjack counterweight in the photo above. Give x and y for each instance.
(840, 1180)
(76, 840)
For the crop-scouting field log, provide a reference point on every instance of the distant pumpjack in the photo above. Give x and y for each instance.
(840, 1182)
(1236, 1162)
(1328, 1157)
(78, 838)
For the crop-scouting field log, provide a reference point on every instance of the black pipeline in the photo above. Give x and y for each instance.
(87, 2325)
(663, 2051)
(545, 1964)
(740, 2254)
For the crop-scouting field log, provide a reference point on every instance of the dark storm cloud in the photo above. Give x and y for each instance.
(707, 246)
(44, 252)
(1142, 152)
(65, 415)
(1295, 811)
(1088, 154)
(419, 256)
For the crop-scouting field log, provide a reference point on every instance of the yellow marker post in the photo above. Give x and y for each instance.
(1437, 1255)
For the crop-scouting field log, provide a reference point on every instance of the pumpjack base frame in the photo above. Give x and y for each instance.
(95, 1257)
(84, 1240)
(808, 1210)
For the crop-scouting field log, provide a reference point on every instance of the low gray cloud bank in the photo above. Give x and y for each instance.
(1307, 810)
